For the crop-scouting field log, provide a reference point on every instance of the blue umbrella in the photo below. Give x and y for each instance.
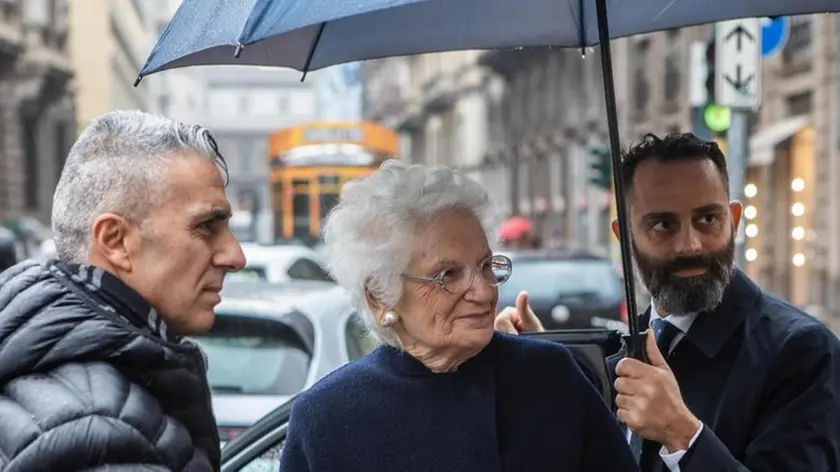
(311, 34)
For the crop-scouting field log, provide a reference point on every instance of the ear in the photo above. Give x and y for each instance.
(614, 227)
(736, 209)
(110, 240)
(374, 303)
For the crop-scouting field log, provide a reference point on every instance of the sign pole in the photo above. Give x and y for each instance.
(738, 146)
(738, 50)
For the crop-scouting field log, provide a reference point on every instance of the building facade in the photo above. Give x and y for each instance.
(244, 105)
(36, 102)
(439, 103)
(109, 43)
(549, 125)
(543, 113)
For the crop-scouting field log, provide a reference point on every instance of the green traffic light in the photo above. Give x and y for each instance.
(716, 117)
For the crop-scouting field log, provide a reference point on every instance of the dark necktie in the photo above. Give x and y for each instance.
(647, 452)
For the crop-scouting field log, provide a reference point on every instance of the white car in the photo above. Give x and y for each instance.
(280, 264)
(269, 342)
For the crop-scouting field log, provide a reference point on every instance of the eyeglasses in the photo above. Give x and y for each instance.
(458, 279)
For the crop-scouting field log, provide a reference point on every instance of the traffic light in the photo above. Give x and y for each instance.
(601, 168)
(710, 70)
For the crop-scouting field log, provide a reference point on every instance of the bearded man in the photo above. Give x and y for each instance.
(738, 379)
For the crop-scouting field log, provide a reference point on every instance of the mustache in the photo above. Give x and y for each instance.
(694, 261)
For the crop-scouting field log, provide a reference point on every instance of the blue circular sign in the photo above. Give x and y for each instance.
(774, 35)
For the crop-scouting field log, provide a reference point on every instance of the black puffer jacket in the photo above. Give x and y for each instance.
(84, 389)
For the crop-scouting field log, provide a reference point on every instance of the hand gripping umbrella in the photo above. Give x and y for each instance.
(313, 34)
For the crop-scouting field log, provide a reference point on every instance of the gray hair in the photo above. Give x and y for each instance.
(366, 233)
(117, 166)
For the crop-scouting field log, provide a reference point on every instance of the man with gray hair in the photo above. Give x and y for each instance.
(93, 370)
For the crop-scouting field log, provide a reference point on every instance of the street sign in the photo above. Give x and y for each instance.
(774, 35)
(738, 63)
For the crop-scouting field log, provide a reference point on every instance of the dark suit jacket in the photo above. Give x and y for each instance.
(764, 378)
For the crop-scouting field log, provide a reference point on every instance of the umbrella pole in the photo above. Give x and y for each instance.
(635, 341)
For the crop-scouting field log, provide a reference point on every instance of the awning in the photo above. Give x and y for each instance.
(763, 144)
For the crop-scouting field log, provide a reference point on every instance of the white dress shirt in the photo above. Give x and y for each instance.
(683, 323)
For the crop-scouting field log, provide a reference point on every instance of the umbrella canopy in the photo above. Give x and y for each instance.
(318, 33)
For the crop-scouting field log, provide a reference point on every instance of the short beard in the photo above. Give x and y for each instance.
(677, 296)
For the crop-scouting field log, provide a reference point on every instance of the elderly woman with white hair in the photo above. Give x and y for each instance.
(444, 392)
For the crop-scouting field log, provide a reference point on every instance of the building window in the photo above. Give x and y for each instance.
(798, 47)
(62, 147)
(672, 68)
(246, 155)
(800, 104)
(30, 153)
(641, 89)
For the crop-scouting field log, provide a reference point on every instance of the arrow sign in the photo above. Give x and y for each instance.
(737, 82)
(739, 33)
(738, 63)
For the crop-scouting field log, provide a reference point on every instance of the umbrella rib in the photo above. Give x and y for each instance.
(312, 51)
(581, 28)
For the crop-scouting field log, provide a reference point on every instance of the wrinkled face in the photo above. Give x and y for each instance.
(683, 229)
(433, 317)
(185, 248)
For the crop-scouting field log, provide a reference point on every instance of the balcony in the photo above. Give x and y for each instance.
(439, 94)
(410, 118)
(507, 62)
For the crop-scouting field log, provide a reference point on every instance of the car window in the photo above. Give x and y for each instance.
(549, 279)
(254, 356)
(358, 338)
(306, 269)
(248, 274)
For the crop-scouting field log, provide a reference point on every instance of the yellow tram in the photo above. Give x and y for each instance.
(310, 163)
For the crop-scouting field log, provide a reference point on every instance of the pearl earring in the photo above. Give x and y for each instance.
(389, 319)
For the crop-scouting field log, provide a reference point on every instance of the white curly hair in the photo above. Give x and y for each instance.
(366, 234)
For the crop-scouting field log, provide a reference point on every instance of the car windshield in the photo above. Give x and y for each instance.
(254, 356)
(552, 278)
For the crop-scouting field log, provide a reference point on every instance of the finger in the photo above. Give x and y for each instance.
(654, 355)
(631, 368)
(504, 325)
(630, 387)
(626, 417)
(522, 302)
(622, 401)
